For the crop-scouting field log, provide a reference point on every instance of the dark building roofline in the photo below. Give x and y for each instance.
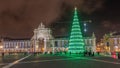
(8, 38)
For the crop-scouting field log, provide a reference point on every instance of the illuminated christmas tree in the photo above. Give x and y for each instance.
(76, 41)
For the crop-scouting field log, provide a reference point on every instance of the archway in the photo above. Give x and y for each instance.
(41, 45)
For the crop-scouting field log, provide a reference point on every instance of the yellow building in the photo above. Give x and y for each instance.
(111, 42)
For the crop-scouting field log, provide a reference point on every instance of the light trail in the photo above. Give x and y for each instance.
(15, 62)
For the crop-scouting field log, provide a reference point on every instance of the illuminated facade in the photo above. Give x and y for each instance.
(90, 43)
(114, 43)
(42, 38)
(111, 43)
(16, 45)
(43, 41)
(1, 45)
(100, 47)
(60, 44)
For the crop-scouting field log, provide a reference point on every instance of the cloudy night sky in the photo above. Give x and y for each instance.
(18, 18)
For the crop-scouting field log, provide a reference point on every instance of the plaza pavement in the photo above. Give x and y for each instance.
(6, 59)
(66, 61)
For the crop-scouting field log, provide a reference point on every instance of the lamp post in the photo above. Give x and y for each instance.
(85, 24)
(1, 49)
(16, 48)
(36, 48)
(85, 27)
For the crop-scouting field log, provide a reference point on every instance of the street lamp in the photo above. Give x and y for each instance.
(1, 47)
(85, 24)
(16, 47)
(36, 48)
(85, 27)
(116, 48)
(85, 30)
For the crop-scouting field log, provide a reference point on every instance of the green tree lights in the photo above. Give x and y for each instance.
(76, 41)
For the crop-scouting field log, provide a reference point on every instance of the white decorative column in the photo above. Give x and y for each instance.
(94, 44)
(53, 48)
(90, 45)
(85, 40)
(59, 45)
(45, 44)
(62, 45)
(36, 46)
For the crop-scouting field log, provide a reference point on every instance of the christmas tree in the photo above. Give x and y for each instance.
(76, 41)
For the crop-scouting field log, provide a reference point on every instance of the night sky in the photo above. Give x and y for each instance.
(18, 18)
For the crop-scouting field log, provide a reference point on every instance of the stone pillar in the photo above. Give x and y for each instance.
(45, 45)
(94, 44)
(63, 43)
(35, 46)
(90, 45)
(59, 45)
(112, 43)
(53, 48)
